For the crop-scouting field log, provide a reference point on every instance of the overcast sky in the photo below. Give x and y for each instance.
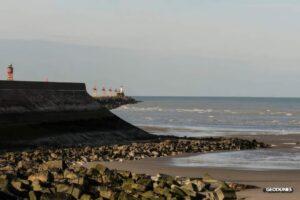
(157, 47)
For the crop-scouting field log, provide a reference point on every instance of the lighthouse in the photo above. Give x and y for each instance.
(110, 92)
(122, 89)
(10, 72)
(103, 92)
(121, 92)
(95, 91)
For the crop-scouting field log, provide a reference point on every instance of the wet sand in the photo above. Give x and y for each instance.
(271, 178)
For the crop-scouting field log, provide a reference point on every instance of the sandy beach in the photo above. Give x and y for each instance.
(262, 179)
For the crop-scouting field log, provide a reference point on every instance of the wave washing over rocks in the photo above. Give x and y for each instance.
(65, 173)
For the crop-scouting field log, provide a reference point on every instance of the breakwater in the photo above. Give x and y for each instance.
(57, 114)
(115, 102)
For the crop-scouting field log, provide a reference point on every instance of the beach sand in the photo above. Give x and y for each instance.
(262, 179)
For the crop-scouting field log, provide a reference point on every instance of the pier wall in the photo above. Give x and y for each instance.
(57, 114)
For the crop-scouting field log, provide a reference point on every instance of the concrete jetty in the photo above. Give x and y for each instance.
(58, 114)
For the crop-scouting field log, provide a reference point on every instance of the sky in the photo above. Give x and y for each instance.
(157, 47)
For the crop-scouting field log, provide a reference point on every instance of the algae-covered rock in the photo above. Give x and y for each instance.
(225, 193)
(75, 191)
(62, 188)
(7, 168)
(4, 180)
(149, 195)
(52, 165)
(106, 192)
(189, 189)
(85, 197)
(18, 187)
(56, 196)
(166, 179)
(44, 176)
(70, 175)
(199, 184)
(178, 192)
(166, 192)
(33, 195)
(148, 183)
(125, 174)
(125, 196)
(138, 187)
(36, 185)
(101, 168)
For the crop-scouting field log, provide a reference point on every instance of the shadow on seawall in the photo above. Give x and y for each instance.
(58, 114)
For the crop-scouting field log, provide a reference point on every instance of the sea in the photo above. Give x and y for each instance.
(222, 116)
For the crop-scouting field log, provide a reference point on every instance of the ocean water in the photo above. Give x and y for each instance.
(214, 116)
(209, 116)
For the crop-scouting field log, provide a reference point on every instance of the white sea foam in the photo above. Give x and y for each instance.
(147, 109)
(124, 107)
(194, 110)
(230, 112)
(194, 131)
(250, 160)
(149, 118)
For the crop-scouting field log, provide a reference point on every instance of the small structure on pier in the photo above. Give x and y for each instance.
(10, 72)
(95, 91)
(110, 92)
(120, 92)
(103, 92)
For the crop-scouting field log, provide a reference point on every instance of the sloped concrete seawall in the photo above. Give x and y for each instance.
(23, 96)
(58, 114)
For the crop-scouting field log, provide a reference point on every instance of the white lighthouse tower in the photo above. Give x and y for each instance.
(95, 91)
